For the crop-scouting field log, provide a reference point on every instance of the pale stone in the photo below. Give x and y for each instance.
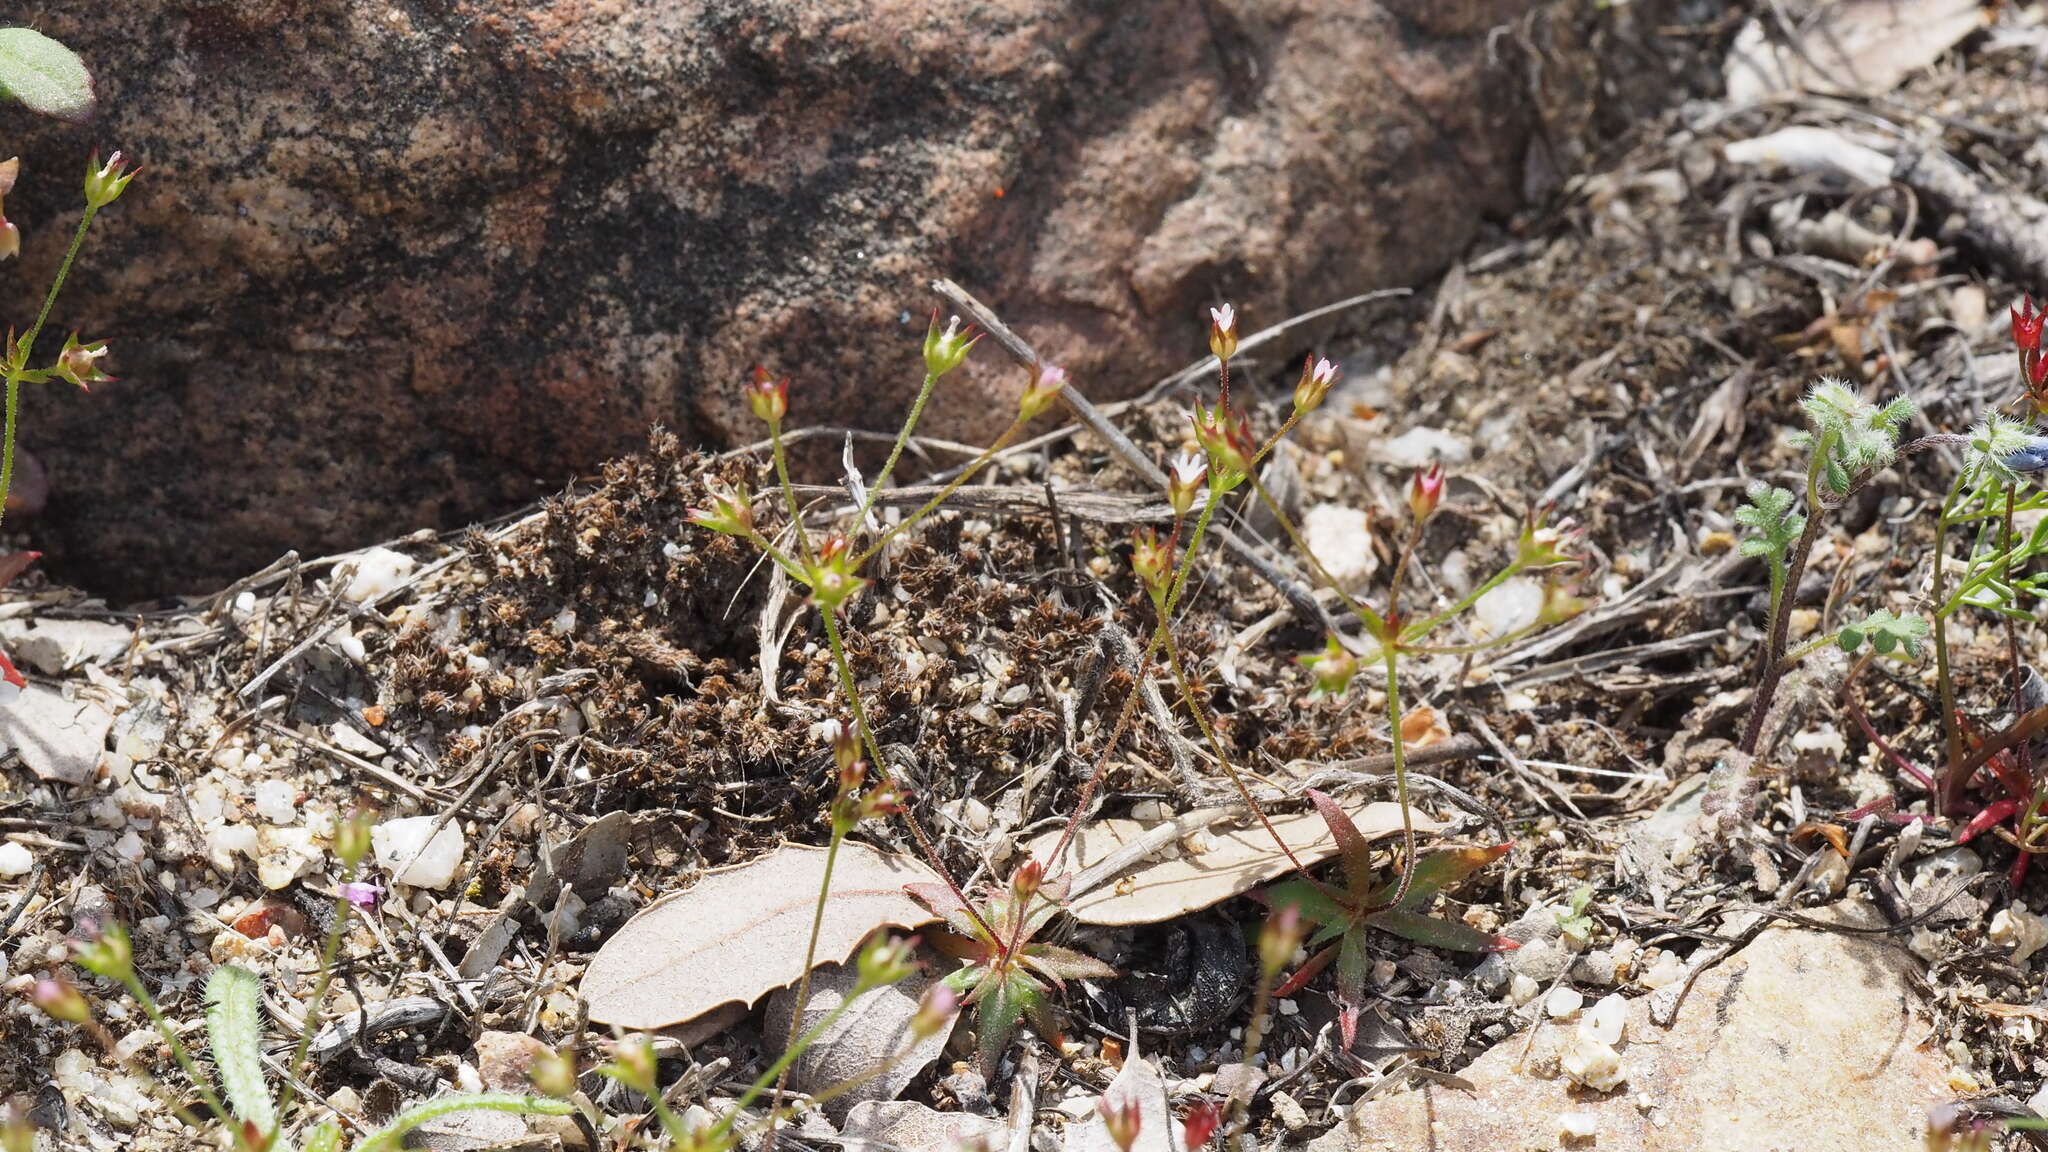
(1803, 1039)
(377, 571)
(404, 848)
(15, 860)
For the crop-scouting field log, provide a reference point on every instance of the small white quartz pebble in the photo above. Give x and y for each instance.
(1509, 608)
(1606, 1019)
(1589, 1062)
(399, 841)
(1563, 1002)
(1341, 537)
(2020, 930)
(275, 801)
(15, 860)
(1577, 1126)
(378, 571)
(1667, 970)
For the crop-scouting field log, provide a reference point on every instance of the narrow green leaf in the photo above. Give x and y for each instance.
(44, 75)
(233, 1028)
(1309, 900)
(325, 1138)
(1435, 932)
(1065, 963)
(1352, 964)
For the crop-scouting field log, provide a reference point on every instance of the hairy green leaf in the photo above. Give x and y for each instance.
(1772, 523)
(325, 1138)
(1887, 633)
(44, 75)
(233, 1027)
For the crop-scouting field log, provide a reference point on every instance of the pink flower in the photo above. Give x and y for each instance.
(361, 894)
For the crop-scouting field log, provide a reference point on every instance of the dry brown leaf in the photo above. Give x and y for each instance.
(1423, 726)
(740, 932)
(1235, 861)
(1138, 1084)
(869, 1035)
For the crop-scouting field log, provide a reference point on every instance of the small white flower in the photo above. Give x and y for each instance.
(1189, 468)
(1225, 317)
(1324, 373)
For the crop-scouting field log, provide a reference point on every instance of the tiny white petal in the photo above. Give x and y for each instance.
(1224, 317)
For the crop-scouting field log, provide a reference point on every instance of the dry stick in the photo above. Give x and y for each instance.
(1128, 453)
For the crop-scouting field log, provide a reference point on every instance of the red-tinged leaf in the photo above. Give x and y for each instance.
(1440, 870)
(13, 564)
(1066, 964)
(11, 681)
(1995, 813)
(1308, 972)
(1352, 849)
(1347, 1025)
(968, 948)
(1352, 965)
(1439, 933)
(943, 900)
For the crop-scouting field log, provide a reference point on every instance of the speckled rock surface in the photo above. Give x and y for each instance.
(399, 264)
(1804, 1039)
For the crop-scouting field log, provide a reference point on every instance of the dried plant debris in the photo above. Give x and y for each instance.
(595, 710)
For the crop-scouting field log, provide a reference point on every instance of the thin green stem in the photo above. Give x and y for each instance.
(896, 451)
(1390, 656)
(1373, 624)
(946, 493)
(17, 356)
(1187, 696)
(796, 510)
(1424, 627)
(803, 984)
(1951, 736)
(1187, 561)
(330, 950)
(776, 554)
(775, 1071)
(179, 1053)
(851, 691)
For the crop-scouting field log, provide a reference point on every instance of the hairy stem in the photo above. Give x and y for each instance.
(330, 950)
(1769, 672)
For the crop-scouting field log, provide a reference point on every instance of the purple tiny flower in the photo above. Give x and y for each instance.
(361, 894)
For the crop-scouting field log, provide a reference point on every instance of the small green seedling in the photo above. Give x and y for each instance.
(1005, 973)
(1369, 900)
(1576, 926)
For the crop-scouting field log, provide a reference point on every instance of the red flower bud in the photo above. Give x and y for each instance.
(769, 398)
(1426, 491)
(1122, 1119)
(2026, 324)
